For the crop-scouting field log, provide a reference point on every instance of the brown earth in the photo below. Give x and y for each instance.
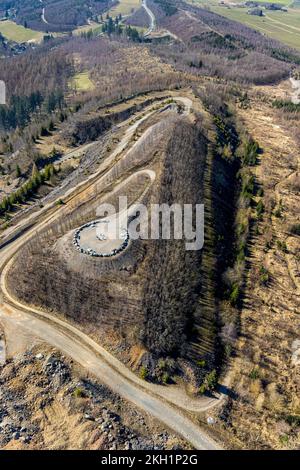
(47, 402)
(267, 381)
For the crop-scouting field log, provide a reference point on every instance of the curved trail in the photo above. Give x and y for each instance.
(94, 358)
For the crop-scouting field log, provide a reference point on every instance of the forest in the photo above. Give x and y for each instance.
(59, 15)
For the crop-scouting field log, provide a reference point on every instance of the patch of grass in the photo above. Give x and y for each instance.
(254, 374)
(284, 439)
(125, 7)
(82, 82)
(92, 26)
(17, 33)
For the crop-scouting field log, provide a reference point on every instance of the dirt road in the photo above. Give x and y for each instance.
(296, 91)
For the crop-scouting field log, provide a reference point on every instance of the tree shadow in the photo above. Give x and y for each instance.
(227, 391)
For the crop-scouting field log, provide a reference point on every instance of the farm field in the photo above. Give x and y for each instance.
(18, 33)
(287, 3)
(125, 7)
(283, 26)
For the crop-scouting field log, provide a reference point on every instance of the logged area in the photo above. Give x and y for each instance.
(149, 229)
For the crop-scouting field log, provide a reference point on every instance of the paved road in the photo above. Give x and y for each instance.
(153, 399)
(43, 16)
(151, 15)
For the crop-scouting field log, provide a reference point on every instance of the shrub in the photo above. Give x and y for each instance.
(295, 229)
(210, 382)
(282, 246)
(165, 378)
(250, 152)
(18, 171)
(201, 363)
(247, 186)
(254, 374)
(227, 350)
(260, 192)
(144, 372)
(264, 275)
(284, 439)
(293, 420)
(78, 393)
(277, 213)
(234, 295)
(260, 208)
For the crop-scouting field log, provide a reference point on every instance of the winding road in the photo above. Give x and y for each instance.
(151, 15)
(43, 14)
(167, 404)
(43, 17)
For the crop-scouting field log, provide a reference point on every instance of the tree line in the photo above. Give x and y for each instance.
(27, 190)
(113, 26)
(20, 109)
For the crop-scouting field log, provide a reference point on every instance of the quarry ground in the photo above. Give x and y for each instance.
(47, 401)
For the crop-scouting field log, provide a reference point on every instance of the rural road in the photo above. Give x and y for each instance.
(151, 15)
(43, 17)
(163, 403)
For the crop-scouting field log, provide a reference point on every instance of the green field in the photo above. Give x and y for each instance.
(93, 26)
(17, 33)
(82, 82)
(125, 7)
(215, 2)
(283, 26)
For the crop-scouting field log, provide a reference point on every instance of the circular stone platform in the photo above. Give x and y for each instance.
(91, 239)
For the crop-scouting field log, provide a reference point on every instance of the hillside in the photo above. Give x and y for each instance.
(194, 322)
(281, 23)
(52, 15)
